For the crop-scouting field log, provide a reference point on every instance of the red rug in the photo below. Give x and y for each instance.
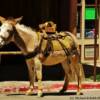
(17, 87)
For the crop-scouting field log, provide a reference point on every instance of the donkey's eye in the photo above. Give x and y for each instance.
(8, 31)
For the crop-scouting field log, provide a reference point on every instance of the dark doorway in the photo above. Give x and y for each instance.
(34, 12)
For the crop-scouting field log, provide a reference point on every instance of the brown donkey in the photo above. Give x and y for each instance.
(39, 49)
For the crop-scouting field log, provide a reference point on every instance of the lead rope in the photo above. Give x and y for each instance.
(49, 47)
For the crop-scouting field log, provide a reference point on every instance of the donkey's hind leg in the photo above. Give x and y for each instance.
(81, 77)
(79, 71)
(66, 68)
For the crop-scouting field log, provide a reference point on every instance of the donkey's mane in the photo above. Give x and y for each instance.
(29, 31)
(25, 28)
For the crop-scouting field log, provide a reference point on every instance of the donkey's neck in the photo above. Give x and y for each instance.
(25, 38)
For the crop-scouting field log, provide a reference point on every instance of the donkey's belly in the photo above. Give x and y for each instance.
(52, 60)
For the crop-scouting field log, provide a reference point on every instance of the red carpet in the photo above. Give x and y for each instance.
(18, 87)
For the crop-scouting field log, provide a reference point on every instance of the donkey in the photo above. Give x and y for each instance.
(40, 49)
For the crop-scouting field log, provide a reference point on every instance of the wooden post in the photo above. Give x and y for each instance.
(73, 16)
(95, 39)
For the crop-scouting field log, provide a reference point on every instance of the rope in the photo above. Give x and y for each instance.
(10, 53)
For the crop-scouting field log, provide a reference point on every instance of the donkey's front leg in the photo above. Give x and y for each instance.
(30, 65)
(38, 68)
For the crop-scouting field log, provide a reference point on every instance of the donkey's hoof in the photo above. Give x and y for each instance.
(40, 94)
(62, 90)
(79, 93)
(29, 92)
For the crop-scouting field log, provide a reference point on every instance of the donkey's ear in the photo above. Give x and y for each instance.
(2, 19)
(18, 19)
(41, 26)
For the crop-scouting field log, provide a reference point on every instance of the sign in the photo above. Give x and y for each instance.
(90, 13)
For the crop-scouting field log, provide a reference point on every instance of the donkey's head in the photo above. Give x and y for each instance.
(6, 29)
